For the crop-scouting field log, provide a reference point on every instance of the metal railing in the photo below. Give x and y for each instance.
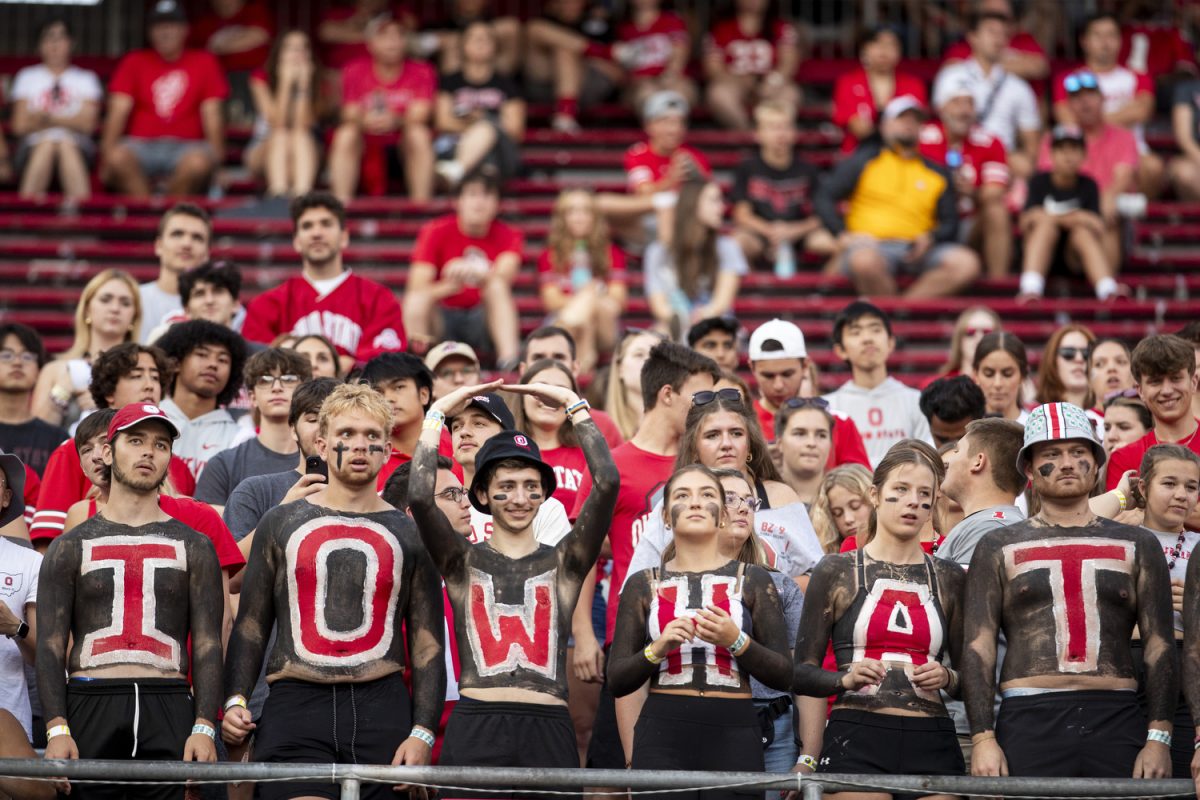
(351, 777)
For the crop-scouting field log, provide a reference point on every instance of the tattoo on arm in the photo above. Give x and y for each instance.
(56, 603)
(981, 627)
(206, 605)
(256, 611)
(586, 538)
(767, 656)
(628, 669)
(1157, 628)
(828, 587)
(425, 627)
(447, 547)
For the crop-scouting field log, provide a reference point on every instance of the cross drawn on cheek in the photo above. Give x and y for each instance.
(340, 449)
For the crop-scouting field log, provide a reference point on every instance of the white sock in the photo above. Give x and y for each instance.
(1105, 288)
(1032, 283)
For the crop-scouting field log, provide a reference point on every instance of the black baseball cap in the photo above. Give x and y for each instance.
(167, 11)
(1067, 134)
(508, 444)
(495, 407)
(706, 326)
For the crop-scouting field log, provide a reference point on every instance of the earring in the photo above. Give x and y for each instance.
(749, 458)
(87, 320)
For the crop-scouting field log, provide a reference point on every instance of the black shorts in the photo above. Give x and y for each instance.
(699, 734)
(148, 719)
(489, 734)
(1071, 734)
(866, 743)
(1184, 731)
(344, 723)
(604, 748)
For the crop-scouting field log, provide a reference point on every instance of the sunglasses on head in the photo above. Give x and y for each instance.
(1130, 392)
(1074, 353)
(1080, 81)
(807, 402)
(709, 395)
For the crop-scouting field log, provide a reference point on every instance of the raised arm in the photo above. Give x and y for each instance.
(820, 612)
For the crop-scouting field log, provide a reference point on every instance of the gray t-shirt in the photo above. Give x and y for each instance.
(156, 305)
(228, 468)
(792, 600)
(254, 497)
(884, 415)
(660, 275)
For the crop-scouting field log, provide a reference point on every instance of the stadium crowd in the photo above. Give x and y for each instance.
(594, 544)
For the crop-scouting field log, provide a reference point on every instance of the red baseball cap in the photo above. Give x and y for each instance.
(134, 413)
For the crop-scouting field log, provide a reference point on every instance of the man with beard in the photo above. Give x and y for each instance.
(1067, 588)
(513, 597)
(360, 316)
(901, 214)
(125, 590)
(354, 600)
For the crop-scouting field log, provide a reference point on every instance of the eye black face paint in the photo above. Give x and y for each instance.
(500, 497)
(1085, 467)
(535, 496)
(926, 506)
(340, 449)
(1045, 469)
(891, 499)
(713, 509)
(376, 448)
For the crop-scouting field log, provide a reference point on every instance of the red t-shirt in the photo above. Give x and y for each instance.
(251, 15)
(362, 85)
(608, 428)
(64, 485)
(441, 241)
(1106, 150)
(852, 98)
(1130, 456)
(569, 466)
(548, 273)
(652, 45)
(846, 443)
(1155, 49)
(167, 94)
(336, 56)
(983, 158)
(643, 165)
(361, 317)
(642, 476)
(750, 55)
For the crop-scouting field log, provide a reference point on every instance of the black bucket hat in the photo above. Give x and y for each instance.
(503, 446)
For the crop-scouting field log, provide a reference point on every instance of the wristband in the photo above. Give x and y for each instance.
(57, 730)
(1122, 500)
(236, 700)
(1155, 735)
(434, 421)
(649, 654)
(573, 409)
(421, 734)
(204, 730)
(740, 644)
(807, 761)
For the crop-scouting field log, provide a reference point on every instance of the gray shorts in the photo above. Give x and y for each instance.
(895, 251)
(158, 157)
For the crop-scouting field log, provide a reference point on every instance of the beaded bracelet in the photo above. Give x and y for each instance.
(236, 700)
(649, 654)
(575, 408)
(740, 644)
(204, 730)
(434, 421)
(421, 734)
(57, 730)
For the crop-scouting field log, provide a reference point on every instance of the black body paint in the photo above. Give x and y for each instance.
(832, 592)
(1011, 587)
(699, 667)
(80, 594)
(280, 589)
(525, 648)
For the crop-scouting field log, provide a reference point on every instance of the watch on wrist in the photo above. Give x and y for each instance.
(21, 632)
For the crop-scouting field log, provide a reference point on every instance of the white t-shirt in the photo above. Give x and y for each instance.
(884, 415)
(156, 305)
(1013, 105)
(18, 588)
(1120, 87)
(35, 85)
(549, 526)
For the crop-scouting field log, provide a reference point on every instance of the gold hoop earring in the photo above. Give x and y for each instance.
(749, 458)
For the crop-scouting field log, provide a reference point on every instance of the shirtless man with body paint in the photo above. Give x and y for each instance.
(1067, 589)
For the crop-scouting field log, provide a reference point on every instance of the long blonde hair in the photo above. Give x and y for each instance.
(561, 243)
(955, 362)
(854, 478)
(616, 403)
(83, 330)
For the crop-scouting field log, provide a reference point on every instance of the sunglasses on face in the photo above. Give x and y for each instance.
(454, 494)
(807, 402)
(1074, 353)
(1080, 81)
(709, 395)
(733, 499)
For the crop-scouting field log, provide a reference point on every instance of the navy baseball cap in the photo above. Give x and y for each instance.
(495, 407)
(505, 445)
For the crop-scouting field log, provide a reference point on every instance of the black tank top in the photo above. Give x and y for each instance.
(761, 489)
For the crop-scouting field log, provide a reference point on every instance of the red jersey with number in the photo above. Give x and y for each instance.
(361, 317)
(167, 94)
(1156, 50)
(846, 443)
(642, 477)
(64, 485)
(652, 46)
(251, 15)
(750, 54)
(441, 241)
(644, 165)
(852, 98)
(1130, 456)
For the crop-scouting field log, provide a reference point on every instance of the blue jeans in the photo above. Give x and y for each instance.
(781, 754)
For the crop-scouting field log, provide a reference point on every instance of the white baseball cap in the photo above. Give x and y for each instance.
(785, 338)
(902, 105)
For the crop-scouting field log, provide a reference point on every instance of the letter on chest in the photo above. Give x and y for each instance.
(898, 622)
(1071, 566)
(508, 636)
(133, 635)
(673, 600)
(313, 552)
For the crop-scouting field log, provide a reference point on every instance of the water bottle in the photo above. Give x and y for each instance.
(954, 159)
(581, 267)
(785, 261)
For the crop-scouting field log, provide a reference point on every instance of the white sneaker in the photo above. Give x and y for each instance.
(450, 171)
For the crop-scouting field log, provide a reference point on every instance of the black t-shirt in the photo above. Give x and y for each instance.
(487, 97)
(595, 24)
(1188, 94)
(32, 442)
(1083, 196)
(773, 194)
